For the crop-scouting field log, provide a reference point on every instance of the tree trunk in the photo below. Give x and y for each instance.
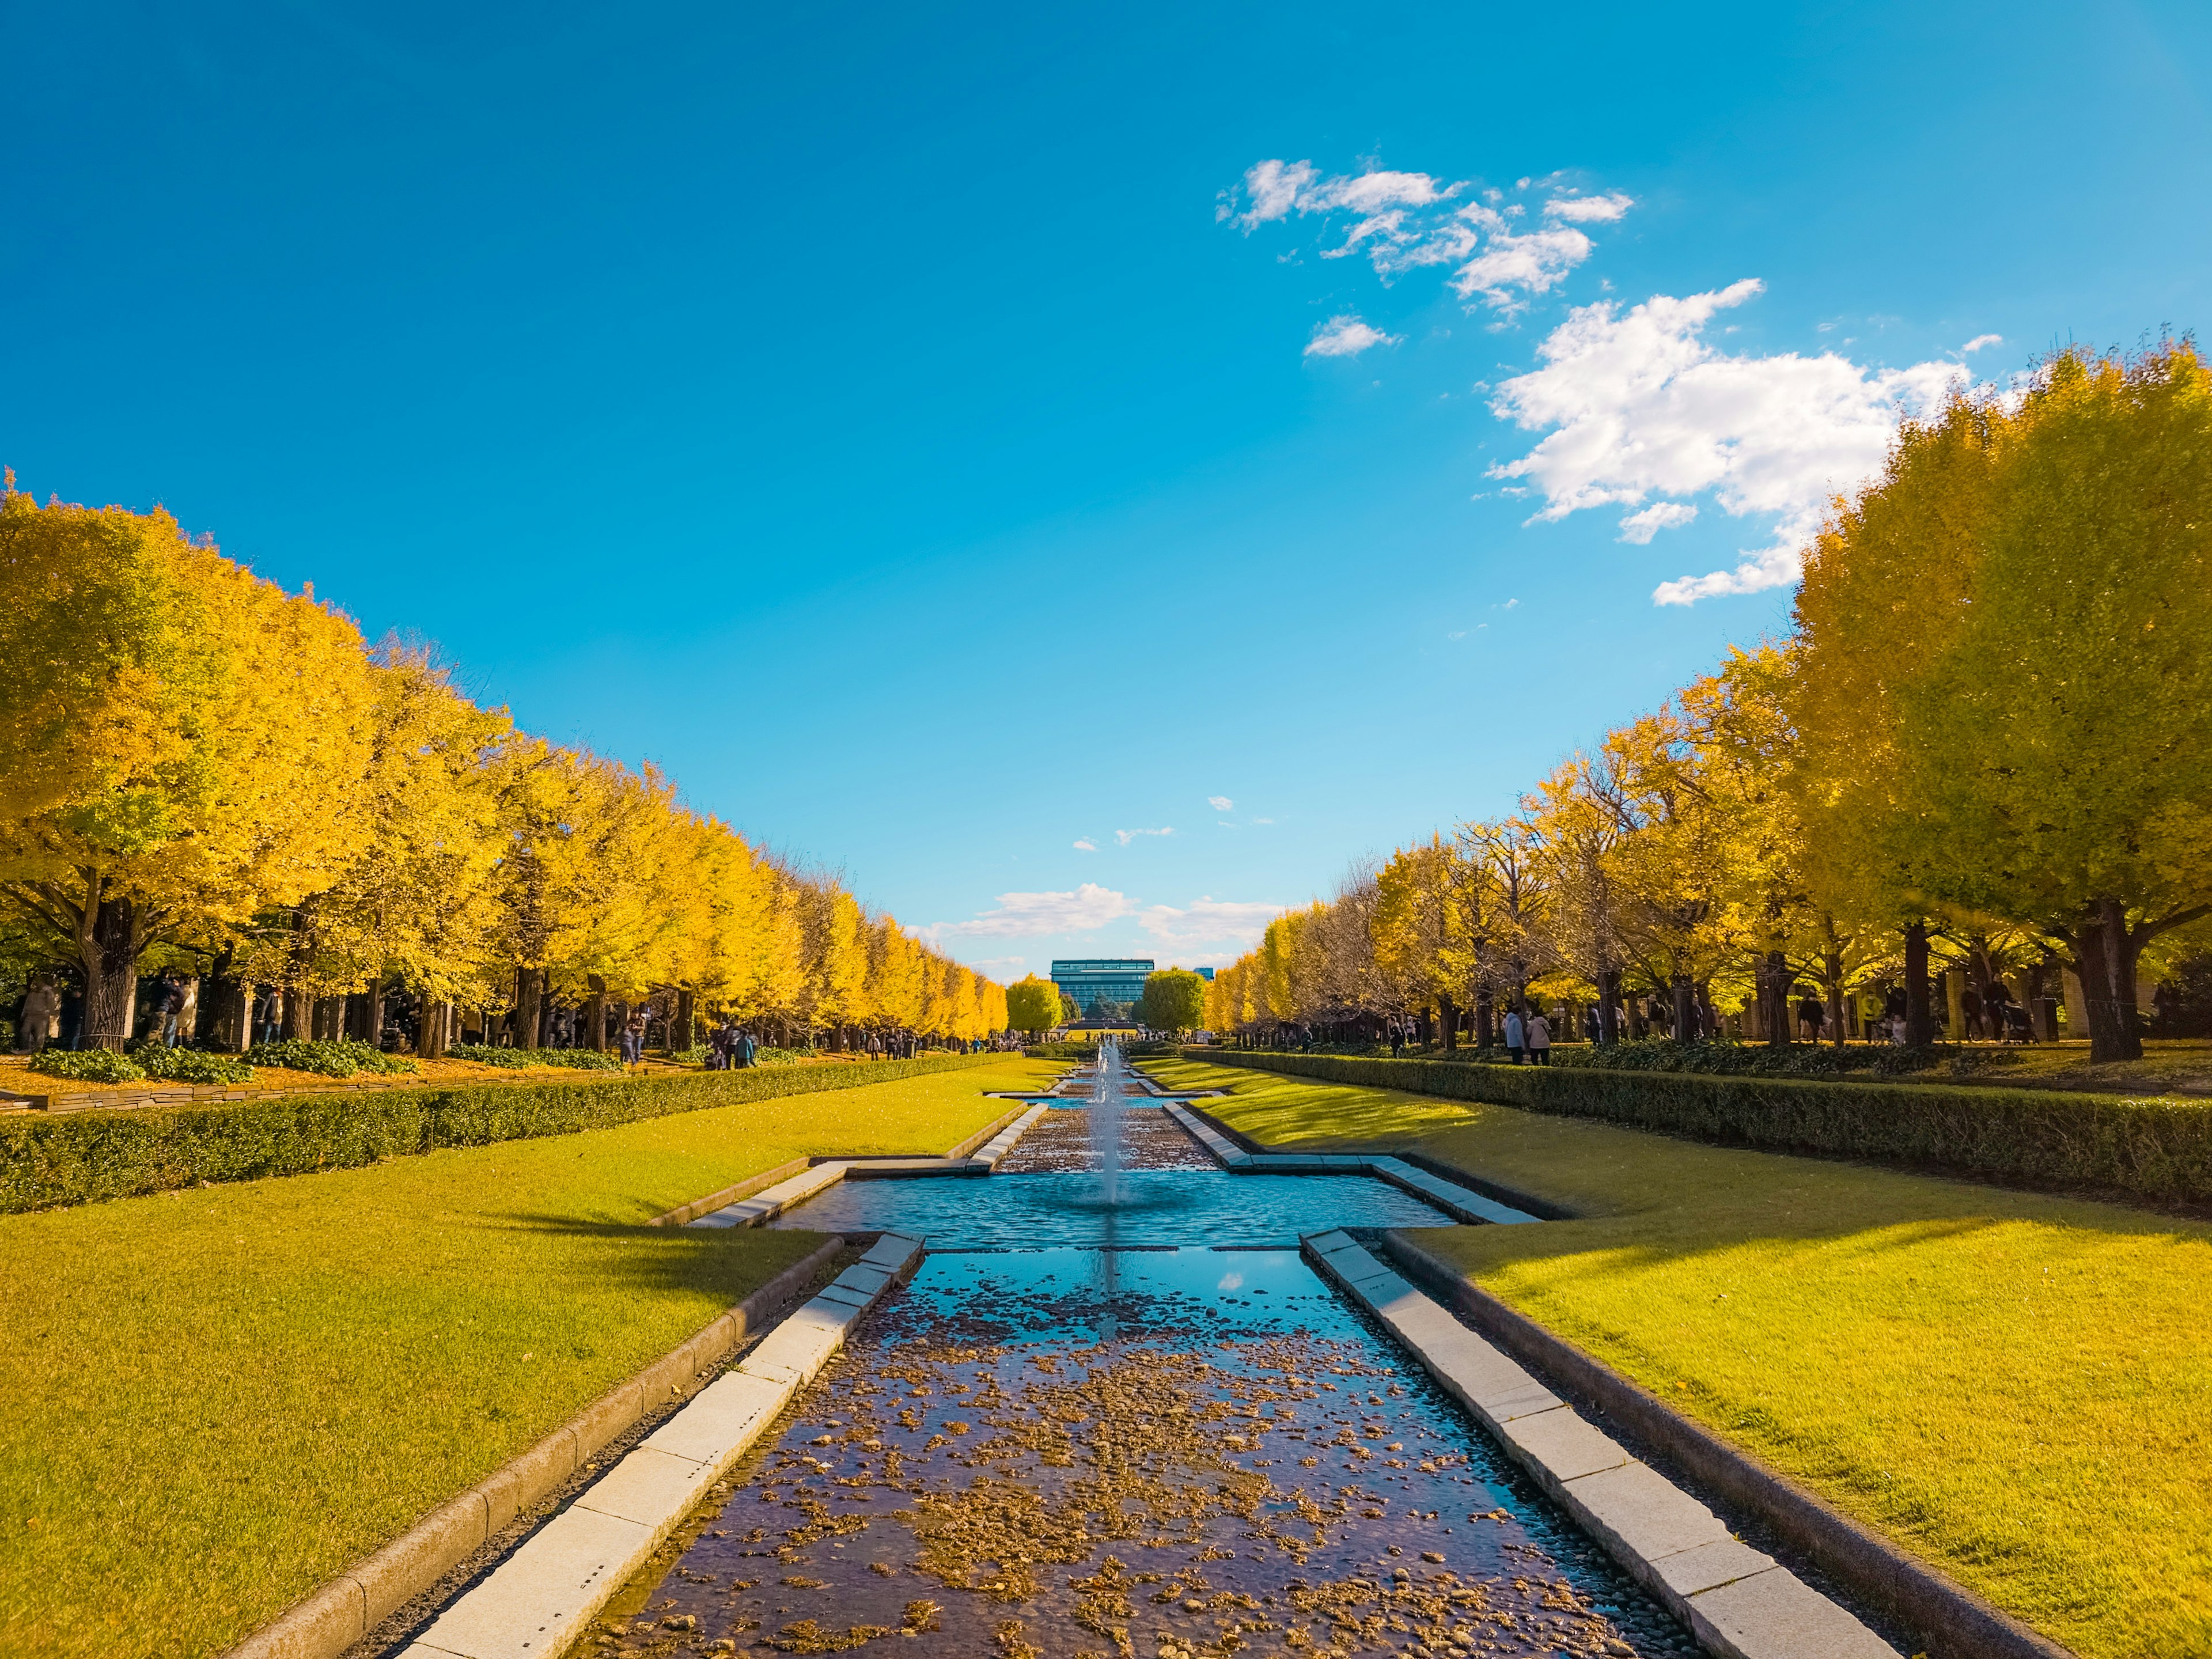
(109, 950)
(2105, 960)
(1609, 1016)
(1485, 1019)
(529, 1003)
(1919, 1023)
(1450, 1023)
(1954, 1003)
(1777, 994)
(1684, 1007)
(595, 1016)
(685, 1035)
(1832, 981)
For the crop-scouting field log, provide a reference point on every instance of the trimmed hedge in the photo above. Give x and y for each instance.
(80, 1157)
(2157, 1148)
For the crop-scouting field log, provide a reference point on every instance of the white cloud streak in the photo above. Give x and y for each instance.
(1220, 803)
(1638, 404)
(1019, 915)
(1407, 220)
(1978, 341)
(1084, 844)
(1347, 335)
(1641, 527)
(1125, 836)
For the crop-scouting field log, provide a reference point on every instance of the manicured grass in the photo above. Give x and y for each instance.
(215, 1398)
(2016, 1387)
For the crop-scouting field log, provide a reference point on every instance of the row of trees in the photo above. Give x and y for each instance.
(198, 768)
(1986, 743)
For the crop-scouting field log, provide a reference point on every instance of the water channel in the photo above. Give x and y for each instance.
(1114, 1414)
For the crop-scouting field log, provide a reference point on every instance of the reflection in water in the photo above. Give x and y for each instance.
(1171, 1454)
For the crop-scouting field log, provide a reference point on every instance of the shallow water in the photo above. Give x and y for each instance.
(1082, 1432)
(1156, 1206)
(1083, 1453)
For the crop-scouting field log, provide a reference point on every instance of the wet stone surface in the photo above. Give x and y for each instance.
(1060, 1141)
(1167, 1454)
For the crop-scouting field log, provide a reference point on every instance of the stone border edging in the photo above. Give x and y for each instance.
(1738, 1602)
(730, 1194)
(541, 1599)
(1944, 1614)
(767, 1202)
(330, 1619)
(1457, 1201)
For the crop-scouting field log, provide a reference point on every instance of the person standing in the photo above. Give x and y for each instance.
(273, 1013)
(746, 1049)
(169, 1006)
(634, 1039)
(1516, 1034)
(1539, 1039)
(1811, 1015)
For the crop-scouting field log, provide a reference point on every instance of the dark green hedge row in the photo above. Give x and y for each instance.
(75, 1158)
(2160, 1149)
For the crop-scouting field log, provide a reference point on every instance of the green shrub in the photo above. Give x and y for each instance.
(516, 1059)
(2160, 1149)
(78, 1156)
(340, 1059)
(195, 1066)
(87, 1066)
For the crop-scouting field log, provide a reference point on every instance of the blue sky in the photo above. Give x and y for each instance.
(938, 437)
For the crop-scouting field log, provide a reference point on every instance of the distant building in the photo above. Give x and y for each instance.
(1117, 979)
(1112, 979)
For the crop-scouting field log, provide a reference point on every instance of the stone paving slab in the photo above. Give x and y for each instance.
(1557, 1447)
(1737, 1601)
(654, 1488)
(541, 1598)
(1638, 1512)
(722, 1420)
(1693, 1573)
(1777, 1615)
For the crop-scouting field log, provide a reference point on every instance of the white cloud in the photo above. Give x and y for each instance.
(1263, 820)
(1978, 341)
(1086, 845)
(1640, 406)
(1225, 926)
(1345, 335)
(1407, 221)
(995, 966)
(1589, 210)
(1220, 803)
(1641, 527)
(1534, 263)
(1125, 836)
(1019, 913)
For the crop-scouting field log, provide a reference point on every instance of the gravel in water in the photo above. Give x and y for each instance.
(1091, 1454)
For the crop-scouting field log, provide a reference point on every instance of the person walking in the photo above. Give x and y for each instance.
(42, 1009)
(273, 1013)
(1539, 1039)
(169, 1006)
(746, 1049)
(1516, 1034)
(1811, 1015)
(633, 1039)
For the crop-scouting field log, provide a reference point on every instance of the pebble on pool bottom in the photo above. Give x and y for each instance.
(1172, 1454)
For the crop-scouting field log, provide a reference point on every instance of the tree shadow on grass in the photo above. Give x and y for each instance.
(722, 1261)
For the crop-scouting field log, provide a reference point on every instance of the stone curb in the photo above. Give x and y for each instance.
(1739, 1603)
(1945, 1616)
(346, 1609)
(768, 1202)
(1461, 1203)
(544, 1596)
(683, 1214)
(1531, 1207)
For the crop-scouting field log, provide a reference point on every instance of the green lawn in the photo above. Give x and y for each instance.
(215, 1398)
(2016, 1387)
